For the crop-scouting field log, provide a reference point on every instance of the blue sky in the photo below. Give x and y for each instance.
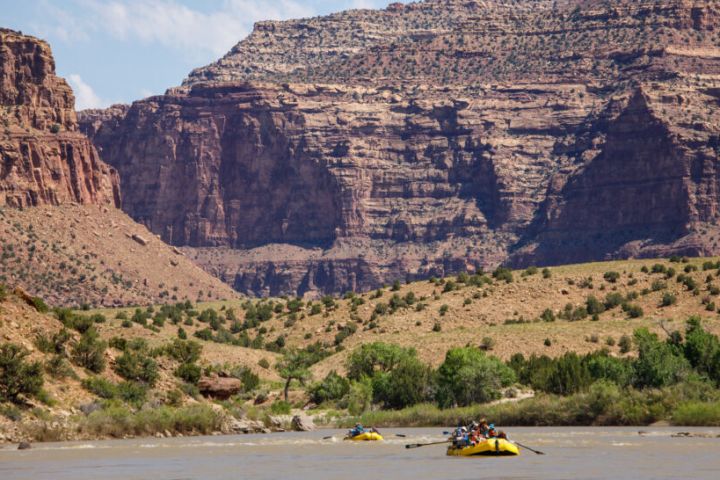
(114, 51)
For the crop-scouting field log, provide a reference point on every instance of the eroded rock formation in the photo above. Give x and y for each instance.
(45, 160)
(346, 151)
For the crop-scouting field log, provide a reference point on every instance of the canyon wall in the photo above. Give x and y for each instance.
(45, 159)
(347, 151)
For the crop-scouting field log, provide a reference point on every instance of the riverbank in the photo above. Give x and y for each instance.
(604, 404)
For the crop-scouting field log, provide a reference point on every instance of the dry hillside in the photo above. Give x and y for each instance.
(508, 313)
(72, 255)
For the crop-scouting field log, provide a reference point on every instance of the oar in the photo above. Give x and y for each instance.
(400, 435)
(537, 452)
(328, 438)
(418, 445)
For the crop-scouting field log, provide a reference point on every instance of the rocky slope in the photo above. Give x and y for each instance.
(45, 159)
(343, 152)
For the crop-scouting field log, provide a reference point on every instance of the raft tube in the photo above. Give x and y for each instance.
(490, 447)
(365, 437)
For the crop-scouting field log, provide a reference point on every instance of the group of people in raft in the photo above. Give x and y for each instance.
(476, 432)
(463, 436)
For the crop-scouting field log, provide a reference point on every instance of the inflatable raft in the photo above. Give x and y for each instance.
(365, 437)
(489, 447)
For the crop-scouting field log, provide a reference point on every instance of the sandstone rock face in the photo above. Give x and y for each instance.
(347, 151)
(44, 159)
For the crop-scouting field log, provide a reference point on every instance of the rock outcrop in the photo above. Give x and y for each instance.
(347, 151)
(45, 160)
(220, 388)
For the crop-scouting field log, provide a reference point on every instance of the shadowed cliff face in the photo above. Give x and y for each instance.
(348, 151)
(44, 159)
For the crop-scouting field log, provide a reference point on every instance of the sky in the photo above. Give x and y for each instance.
(118, 51)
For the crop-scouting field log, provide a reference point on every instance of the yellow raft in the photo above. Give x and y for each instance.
(365, 437)
(489, 447)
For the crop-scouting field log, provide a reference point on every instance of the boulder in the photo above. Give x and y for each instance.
(219, 387)
(302, 423)
(141, 240)
(24, 446)
(246, 426)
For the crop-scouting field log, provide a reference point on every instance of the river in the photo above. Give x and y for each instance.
(570, 453)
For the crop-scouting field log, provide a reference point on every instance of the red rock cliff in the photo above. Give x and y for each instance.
(347, 151)
(44, 159)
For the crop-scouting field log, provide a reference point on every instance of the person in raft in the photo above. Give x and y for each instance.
(358, 429)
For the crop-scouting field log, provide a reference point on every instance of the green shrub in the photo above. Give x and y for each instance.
(594, 306)
(137, 367)
(39, 304)
(611, 276)
(613, 300)
(503, 274)
(487, 344)
(89, 351)
(547, 316)
(3, 292)
(184, 351)
(625, 343)
(333, 387)
(280, 407)
(53, 344)
(101, 387)
(668, 299)
(17, 375)
(697, 414)
(58, 367)
(189, 372)
(546, 273)
(633, 310)
(264, 363)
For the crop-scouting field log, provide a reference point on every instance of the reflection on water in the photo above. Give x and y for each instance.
(571, 453)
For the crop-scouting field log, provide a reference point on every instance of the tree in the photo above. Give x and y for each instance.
(568, 375)
(17, 376)
(658, 364)
(469, 376)
(374, 357)
(702, 349)
(293, 366)
(407, 384)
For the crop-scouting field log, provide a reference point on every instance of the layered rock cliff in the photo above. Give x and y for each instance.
(45, 160)
(347, 151)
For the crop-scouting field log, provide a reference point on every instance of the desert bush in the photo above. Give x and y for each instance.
(137, 367)
(18, 376)
(189, 372)
(89, 351)
(503, 274)
(611, 276)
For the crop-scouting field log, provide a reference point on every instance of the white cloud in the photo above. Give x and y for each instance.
(85, 96)
(172, 24)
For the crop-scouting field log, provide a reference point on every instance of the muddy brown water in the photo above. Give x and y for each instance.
(571, 453)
